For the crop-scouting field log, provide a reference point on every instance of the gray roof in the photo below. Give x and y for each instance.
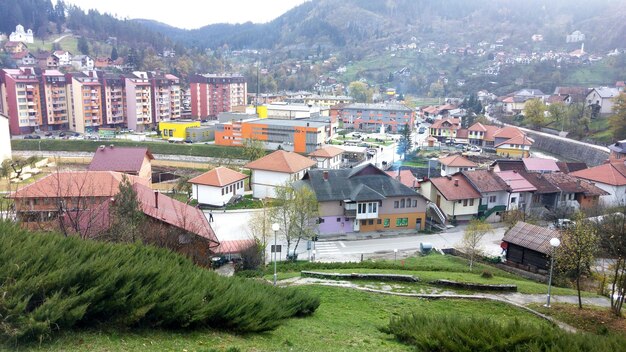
(530, 236)
(291, 123)
(363, 183)
(606, 92)
(618, 147)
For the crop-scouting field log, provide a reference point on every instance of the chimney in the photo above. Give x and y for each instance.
(325, 175)
(456, 182)
(156, 199)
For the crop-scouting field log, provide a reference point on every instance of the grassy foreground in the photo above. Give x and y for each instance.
(347, 320)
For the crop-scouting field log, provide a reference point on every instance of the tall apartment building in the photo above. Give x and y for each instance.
(212, 94)
(138, 101)
(114, 98)
(20, 99)
(56, 100)
(86, 103)
(166, 97)
(371, 117)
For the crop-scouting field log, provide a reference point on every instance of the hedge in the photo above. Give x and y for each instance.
(50, 282)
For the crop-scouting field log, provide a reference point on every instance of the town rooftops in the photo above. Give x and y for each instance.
(281, 161)
(568, 167)
(457, 161)
(454, 187)
(606, 92)
(326, 152)
(363, 183)
(540, 165)
(406, 177)
(120, 159)
(618, 147)
(486, 181)
(516, 182)
(517, 140)
(530, 236)
(478, 127)
(453, 123)
(508, 132)
(570, 184)
(613, 174)
(378, 107)
(218, 177)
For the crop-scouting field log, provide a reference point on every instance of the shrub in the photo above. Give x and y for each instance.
(487, 274)
(53, 282)
(451, 333)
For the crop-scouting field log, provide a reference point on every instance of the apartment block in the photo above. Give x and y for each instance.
(20, 100)
(56, 100)
(166, 97)
(114, 98)
(212, 94)
(373, 117)
(138, 101)
(86, 103)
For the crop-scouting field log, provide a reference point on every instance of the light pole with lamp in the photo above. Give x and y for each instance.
(395, 255)
(554, 242)
(275, 228)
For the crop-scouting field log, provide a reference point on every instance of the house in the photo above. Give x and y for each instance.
(516, 102)
(528, 246)
(575, 37)
(610, 177)
(618, 150)
(14, 47)
(521, 191)
(5, 138)
(24, 58)
(217, 187)
(445, 129)
(128, 160)
(495, 194)
(45, 60)
(516, 147)
(574, 193)
(103, 62)
(176, 130)
(601, 100)
(364, 199)
(540, 165)
(328, 157)
(82, 62)
(455, 163)
(20, 35)
(572, 94)
(454, 196)
(406, 177)
(81, 200)
(65, 57)
(275, 170)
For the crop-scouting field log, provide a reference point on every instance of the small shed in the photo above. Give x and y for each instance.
(528, 246)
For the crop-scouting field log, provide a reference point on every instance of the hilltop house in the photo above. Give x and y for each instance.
(364, 199)
(217, 187)
(516, 102)
(601, 100)
(453, 195)
(128, 160)
(275, 170)
(65, 57)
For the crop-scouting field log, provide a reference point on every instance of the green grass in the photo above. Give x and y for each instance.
(347, 320)
(246, 203)
(207, 150)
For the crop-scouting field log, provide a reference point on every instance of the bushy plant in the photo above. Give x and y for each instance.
(486, 274)
(439, 333)
(50, 282)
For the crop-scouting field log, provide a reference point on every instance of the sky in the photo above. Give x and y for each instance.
(190, 14)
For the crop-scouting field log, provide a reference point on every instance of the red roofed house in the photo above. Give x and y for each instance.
(128, 160)
(405, 177)
(445, 129)
(454, 195)
(275, 170)
(455, 163)
(611, 177)
(521, 190)
(328, 157)
(218, 186)
(80, 202)
(516, 147)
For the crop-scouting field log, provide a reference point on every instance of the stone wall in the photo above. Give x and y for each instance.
(569, 149)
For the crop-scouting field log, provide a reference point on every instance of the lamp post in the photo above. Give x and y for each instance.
(395, 256)
(275, 228)
(554, 242)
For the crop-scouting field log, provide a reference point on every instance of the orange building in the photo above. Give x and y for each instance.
(86, 107)
(20, 99)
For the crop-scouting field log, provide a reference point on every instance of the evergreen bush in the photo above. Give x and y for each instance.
(50, 282)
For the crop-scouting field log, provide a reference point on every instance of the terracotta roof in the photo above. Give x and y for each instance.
(478, 127)
(454, 187)
(521, 140)
(491, 131)
(234, 246)
(570, 184)
(508, 132)
(405, 177)
(516, 182)
(218, 177)
(543, 185)
(486, 181)
(120, 159)
(281, 161)
(613, 174)
(539, 164)
(530, 236)
(568, 167)
(456, 161)
(327, 152)
(454, 122)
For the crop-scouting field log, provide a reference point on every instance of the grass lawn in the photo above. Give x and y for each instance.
(591, 319)
(347, 320)
(246, 203)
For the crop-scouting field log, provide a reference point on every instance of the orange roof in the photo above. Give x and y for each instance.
(218, 177)
(521, 140)
(508, 132)
(405, 177)
(491, 131)
(281, 161)
(454, 187)
(613, 174)
(478, 127)
(456, 123)
(327, 152)
(456, 161)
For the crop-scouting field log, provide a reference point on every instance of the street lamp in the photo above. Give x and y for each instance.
(554, 242)
(275, 228)
(395, 255)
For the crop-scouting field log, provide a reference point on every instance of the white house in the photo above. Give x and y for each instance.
(82, 62)
(275, 170)
(65, 57)
(494, 193)
(218, 186)
(455, 163)
(328, 157)
(521, 190)
(5, 138)
(22, 36)
(610, 177)
(602, 96)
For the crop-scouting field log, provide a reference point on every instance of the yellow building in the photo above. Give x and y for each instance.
(517, 147)
(176, 129)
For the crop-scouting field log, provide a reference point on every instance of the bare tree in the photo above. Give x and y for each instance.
(612, 234)
(253, 149)
(260, 227)
(474, 233)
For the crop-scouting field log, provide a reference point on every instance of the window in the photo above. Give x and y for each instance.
(402, 222)
(414, 203)
(401, 203)
(363, 222)
(370, 222)
(396, 204)
(379, 221)
(464, 202)
(471, 202)
(513, 200)
(492, 199)
(338, 219)
(386, 223)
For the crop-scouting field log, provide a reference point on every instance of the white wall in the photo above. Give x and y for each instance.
(264, 182)
(5, 139)
(617, 195)
(213, 195)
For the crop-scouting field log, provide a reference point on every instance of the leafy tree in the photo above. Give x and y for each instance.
(405, 144)
(558, 112)
(360, 92)
(617, 121)
(576, 255)
(534, 112)
(126, 214)
(260, 228)
(253, 149)
(474, 232)
(114, 54)
(612, 233)
(83, 45)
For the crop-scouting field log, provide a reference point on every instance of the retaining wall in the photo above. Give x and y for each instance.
(569, 149)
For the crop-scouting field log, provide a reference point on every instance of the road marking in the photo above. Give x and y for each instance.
(342, 244)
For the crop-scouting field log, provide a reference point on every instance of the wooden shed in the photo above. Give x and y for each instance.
(528, 246)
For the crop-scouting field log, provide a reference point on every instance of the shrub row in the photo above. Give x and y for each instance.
(51, 282)
(443, 333)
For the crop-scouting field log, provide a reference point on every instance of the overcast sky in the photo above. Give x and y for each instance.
(191, 14)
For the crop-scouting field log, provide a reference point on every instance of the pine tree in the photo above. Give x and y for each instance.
(405, 144)
(126, 213)
(114, 54)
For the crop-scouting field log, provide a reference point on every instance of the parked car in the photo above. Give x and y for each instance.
(188, 141)
(48, 134)
(32, 136)
(62, 134)
(216, 262)
(422, 130)
(475, 149)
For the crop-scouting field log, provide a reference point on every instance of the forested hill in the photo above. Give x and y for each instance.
(344, 23)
